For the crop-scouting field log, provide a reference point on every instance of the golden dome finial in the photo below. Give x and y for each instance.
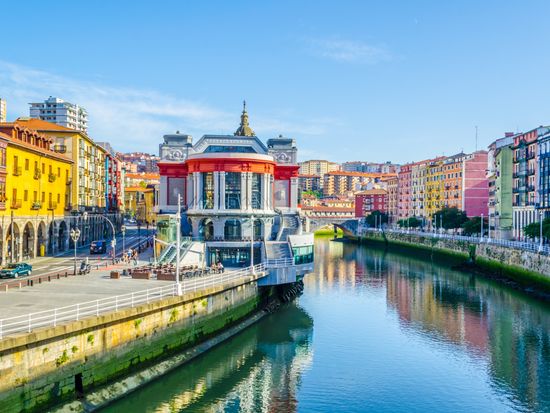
(244, 128)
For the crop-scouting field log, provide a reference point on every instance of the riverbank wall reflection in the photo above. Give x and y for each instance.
(257, 371)
(506, 331)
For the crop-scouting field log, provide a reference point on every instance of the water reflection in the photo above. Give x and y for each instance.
(504, 331)
(393, 333)
(257, 371)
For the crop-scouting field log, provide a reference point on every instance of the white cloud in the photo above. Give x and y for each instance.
(350, 51)
(134, 119)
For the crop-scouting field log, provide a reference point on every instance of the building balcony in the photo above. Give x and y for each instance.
(531, 155)
(531, 172)
(60, 148)
(530, 188)
(17, 171)
(15, 204)
(52, 177)
(36, 205)
(37, 174)
(52, 205)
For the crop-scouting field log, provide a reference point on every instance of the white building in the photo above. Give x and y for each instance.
(3, 110)
(62, 113)
(239, 201)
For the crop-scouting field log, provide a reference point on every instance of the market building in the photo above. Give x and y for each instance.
(236, 192)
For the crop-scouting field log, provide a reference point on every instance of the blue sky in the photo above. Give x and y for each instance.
(361, 80)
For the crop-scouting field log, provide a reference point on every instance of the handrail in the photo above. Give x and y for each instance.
(522, 245)
(75, 312)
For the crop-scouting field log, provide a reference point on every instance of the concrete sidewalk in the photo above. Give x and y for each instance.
(71, 290)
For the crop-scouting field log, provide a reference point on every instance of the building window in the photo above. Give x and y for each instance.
(258, 229)
(256, 191)
(26, 195)
(232, 230)
(233, 190)
(208, 190)
(175, 188)
(26, 164)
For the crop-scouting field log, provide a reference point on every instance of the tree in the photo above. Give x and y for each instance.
(473, 226)
(316, 194)
(451, 218)
(533, 230)
(376, 218)
(411, 222)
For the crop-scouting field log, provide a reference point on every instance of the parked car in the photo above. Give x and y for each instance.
(16, 270)
(98, 247)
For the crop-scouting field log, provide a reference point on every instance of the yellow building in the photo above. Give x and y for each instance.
(139, 203)
(434, 187)
(88, 191)
(88, 183)
(34, 194)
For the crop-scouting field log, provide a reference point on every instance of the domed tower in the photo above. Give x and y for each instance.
(244, 128)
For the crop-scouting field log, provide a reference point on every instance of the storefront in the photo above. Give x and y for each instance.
(233, 257)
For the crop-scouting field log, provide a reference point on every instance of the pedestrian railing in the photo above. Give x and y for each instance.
(51, 318)
(279, 262)
(521, 245)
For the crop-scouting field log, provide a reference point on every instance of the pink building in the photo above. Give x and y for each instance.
(404, 198)
(475, 190)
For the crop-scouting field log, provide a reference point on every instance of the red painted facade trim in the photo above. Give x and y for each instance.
(284, 172)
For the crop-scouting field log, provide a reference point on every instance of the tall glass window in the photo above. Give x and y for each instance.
(208, 190)
(233, 190)
(176, 186)
(232, 230)
(256, 191)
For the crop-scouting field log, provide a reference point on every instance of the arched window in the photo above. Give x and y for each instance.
(258, 226)
(206, 229)
(232, 230)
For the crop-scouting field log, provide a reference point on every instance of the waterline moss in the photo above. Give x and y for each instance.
(515, 276)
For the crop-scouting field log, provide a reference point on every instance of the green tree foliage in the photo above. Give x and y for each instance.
(533, 230)
(375, 218)
(473, 226)
(316, 194)
(412, 222)
(453, 218)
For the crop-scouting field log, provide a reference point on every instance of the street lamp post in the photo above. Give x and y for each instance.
(75, 235)
(441, 223)
(481, 239)
(178, 245)
(489, 227)
(139, 236)
(540, 232)
(123, 230)
(252, 244)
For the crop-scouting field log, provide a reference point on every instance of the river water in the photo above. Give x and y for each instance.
(374, 332)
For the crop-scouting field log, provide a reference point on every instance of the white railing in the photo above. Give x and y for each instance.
(279, 262)
(521, 245)
(51, 318)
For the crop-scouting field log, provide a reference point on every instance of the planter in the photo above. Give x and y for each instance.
(141, 275)
(115, 275)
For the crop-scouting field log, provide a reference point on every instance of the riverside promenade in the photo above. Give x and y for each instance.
(60, 338)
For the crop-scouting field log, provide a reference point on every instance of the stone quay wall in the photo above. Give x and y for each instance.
(55, 364)
(522, 266)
